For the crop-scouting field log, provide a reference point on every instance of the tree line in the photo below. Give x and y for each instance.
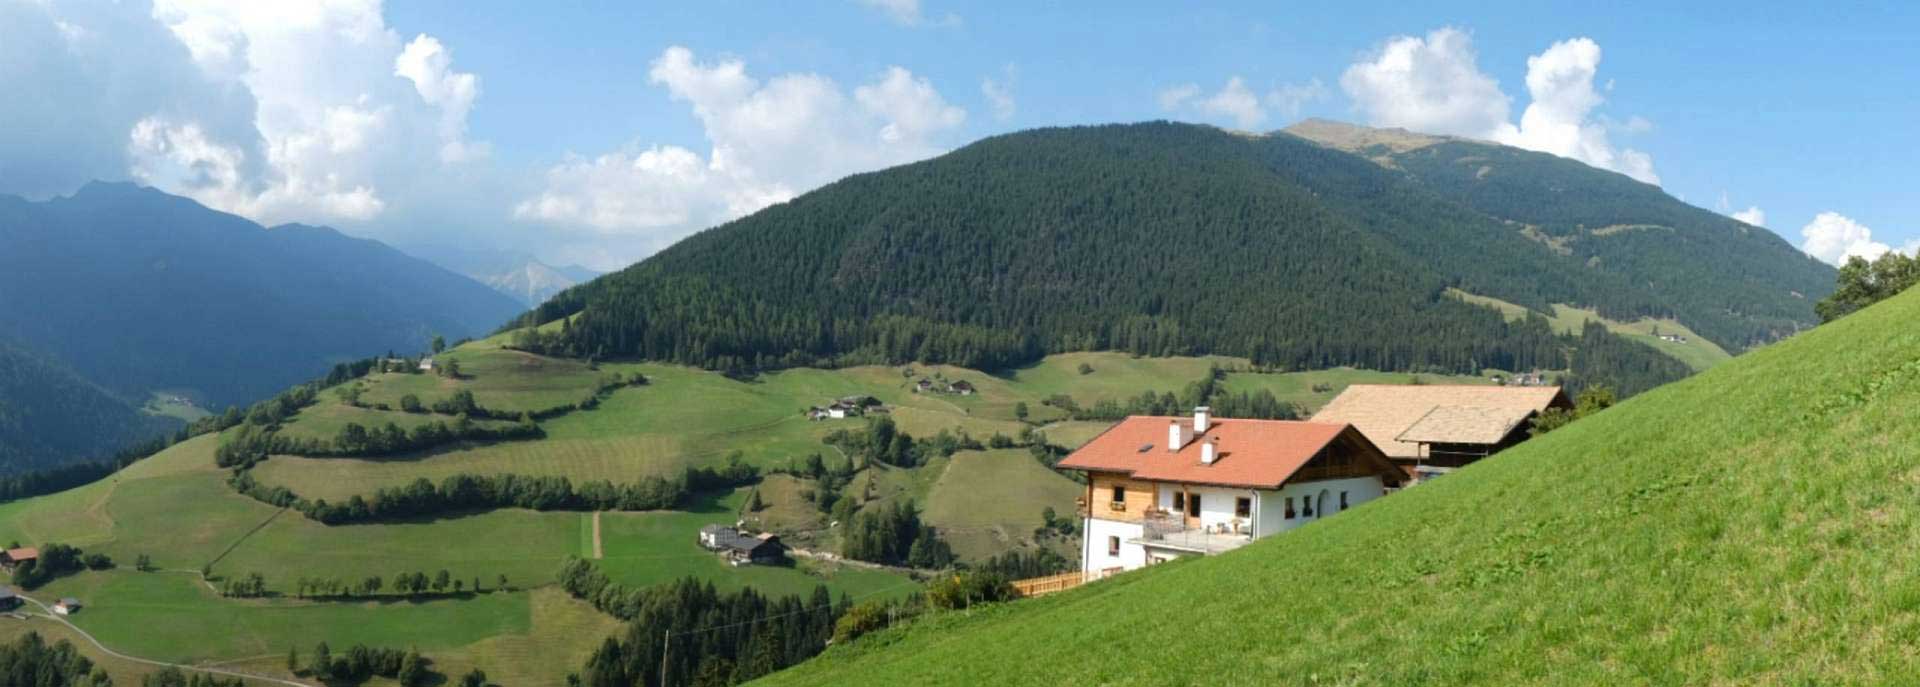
(696, 635)
(894, 535)
(360, 663)
(56, 560)
(30, 660)
(468, 492)
(1861, 283)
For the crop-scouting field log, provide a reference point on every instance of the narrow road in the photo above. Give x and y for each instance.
(598, 553)
(48, 613)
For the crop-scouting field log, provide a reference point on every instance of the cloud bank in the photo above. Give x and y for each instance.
(1237, 103)
(1833, 238)
(1433, 84)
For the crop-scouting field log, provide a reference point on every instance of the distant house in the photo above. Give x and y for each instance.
(841, 411)
(817, 413)
(426, 364)
(923, 386)
(1431, 429)
(67, 606)
(962, 387)
(9, 600)
(13, 557)
(742, 549)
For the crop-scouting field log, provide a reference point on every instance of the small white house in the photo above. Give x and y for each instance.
(67, 606)
(1161, 487)
(426, 364)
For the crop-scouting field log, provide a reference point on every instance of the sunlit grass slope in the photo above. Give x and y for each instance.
(1755, 524)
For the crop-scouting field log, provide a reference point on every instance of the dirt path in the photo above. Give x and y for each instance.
(598, 552)
(48, 613)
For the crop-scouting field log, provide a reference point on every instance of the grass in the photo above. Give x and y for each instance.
(325, 419)
(500, 379)
(123, 672)
(173, 405)
(1749, 525)
(988, 502)
(1697, 352)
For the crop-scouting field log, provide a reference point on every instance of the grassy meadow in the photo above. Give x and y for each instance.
(1752, 524)
(1697, 351)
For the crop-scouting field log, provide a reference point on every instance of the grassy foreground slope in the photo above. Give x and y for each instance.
(1751, 525)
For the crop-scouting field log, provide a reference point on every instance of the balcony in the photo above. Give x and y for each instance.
(1164, 530)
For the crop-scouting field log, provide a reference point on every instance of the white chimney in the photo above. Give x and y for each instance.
(1209, 450)
(1177, 435)
(1202, 419)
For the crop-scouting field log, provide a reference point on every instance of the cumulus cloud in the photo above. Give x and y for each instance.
(1833, 237)
(768, 142)
(1239, 104)
(281, 112)
(999, 93)
(1434, 84)
(907, 12)
(1752, 215)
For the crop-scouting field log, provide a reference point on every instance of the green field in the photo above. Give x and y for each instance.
(1749, 525)
(1697, 351)
(988, 502)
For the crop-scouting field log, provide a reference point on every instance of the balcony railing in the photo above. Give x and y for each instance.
(1170, 530)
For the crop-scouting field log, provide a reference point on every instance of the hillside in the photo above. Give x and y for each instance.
(138, 292)
(48, 414)
(1749, 525)
(1159, 239)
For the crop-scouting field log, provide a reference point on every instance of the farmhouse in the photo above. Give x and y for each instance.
(13, 557)
(426, 364)
(1161, 487)
(8, 598)
(67, 606)
(742, 549)
(962, 387)
(1431, 429)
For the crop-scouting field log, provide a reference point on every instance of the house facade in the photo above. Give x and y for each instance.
(742, 549)
(1432, 429)
(1159, 487)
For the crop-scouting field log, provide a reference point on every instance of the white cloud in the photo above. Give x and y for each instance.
(1239, 104)
(1290, 98)
(908, 12)
(999, 93)
(1434, 84)
(428, 64)
(1833, 237)
(769, 142)
(1752, 215)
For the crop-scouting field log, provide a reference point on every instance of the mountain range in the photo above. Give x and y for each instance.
(1327, 245)
(134, 291)
(515, 273)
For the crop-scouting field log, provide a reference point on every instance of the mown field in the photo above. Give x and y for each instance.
(1697, 351)
(1752, 524)
(177, 509)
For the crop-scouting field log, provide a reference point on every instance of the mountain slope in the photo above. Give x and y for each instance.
(1750, 525)
(48, 414)
(1755, 288)
(137, 291)
(1154, 238)
(516, 274)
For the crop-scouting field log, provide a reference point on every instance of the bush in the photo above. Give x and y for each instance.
(966, 590)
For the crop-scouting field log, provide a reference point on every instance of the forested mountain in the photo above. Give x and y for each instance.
(49, 414)
(1163, 239)
(1732, 282)
(137, 291)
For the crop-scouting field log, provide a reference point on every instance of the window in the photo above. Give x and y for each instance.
(1193, 505)
(1113, 546)
(1306, 506)
(1119, 494)
(1243, 507)
(1289, 508)
(1343, 500)
(1179, 500)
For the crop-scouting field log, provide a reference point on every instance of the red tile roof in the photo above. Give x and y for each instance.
(23, 553)
(1252, 453)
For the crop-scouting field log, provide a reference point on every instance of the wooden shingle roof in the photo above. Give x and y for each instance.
(1465, 425)
(1384, 411)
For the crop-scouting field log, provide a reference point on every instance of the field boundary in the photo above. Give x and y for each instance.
(243, 538)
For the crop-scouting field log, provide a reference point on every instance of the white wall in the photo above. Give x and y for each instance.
(1216, 503)
(1093, 553)
(1273, 506)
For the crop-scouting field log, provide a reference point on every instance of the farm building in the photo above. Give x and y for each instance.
(67, 606)
(962, 387)
(9, 599)
(426, 364)
(12, 557)
(1431, 429)
(742, 549)
(1160, 487)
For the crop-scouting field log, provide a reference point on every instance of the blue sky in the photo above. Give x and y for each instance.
(599, 133)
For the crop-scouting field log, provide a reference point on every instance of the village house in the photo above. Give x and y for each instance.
(9, 558)
(742, 549)
(9, 599)
(923, 386)
(426, 364)
(962, 387)
(1429, 430)
(67, 606)
(1160, 487)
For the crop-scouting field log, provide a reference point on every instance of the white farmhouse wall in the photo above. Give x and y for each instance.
(1273, 506)
(1094, 555)
(1216, 504)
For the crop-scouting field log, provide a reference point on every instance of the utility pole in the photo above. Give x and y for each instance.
(666, 644)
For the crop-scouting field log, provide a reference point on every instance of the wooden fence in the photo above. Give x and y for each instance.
(1042, 586)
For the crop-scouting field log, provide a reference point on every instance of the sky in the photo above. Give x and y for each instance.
(599, 133)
